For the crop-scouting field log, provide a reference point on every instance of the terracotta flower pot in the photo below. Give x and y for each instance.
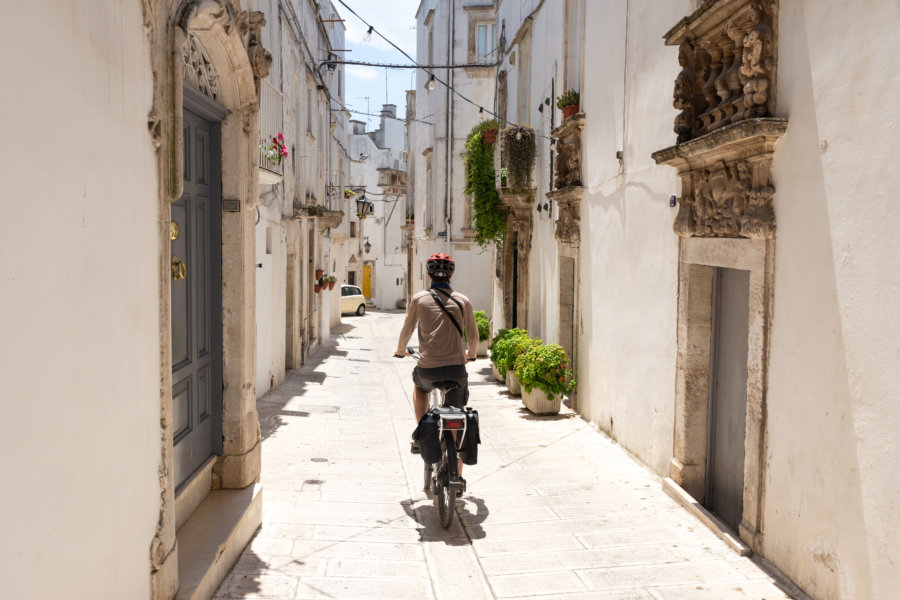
(489, 137)
(570, 110)
(317, 288)
(330, 285)
(319, 273)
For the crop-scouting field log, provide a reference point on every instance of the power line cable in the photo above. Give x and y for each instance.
(434, 77)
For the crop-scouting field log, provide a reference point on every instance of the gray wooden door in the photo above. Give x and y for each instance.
(728, 395)
(197, 300)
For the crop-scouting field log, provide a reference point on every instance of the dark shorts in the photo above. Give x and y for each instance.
(424, 379)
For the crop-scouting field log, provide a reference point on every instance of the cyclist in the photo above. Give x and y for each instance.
(442, 316)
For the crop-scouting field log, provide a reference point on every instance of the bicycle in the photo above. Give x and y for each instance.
(442, 478)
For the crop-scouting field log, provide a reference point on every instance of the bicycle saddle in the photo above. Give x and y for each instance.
(447, 386)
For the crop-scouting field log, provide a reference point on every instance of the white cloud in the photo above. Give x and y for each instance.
(361, 72)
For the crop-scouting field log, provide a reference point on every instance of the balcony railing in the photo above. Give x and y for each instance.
(270, 124)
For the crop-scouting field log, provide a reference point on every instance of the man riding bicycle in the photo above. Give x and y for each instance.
(442, 316)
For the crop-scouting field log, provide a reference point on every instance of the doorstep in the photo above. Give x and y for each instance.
(704, 516)
(211, 540)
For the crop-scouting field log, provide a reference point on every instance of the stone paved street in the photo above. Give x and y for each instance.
(554, 509)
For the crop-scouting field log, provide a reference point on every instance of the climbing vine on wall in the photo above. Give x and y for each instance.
(488, 220)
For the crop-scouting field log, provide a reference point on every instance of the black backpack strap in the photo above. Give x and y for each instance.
(447, 312)
(455, 301)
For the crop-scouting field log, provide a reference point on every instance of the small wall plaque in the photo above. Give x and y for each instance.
(231, 205)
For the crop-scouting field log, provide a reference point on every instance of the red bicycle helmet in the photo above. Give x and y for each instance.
(440, 265)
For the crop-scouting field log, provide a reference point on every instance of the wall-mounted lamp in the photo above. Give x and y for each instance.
(363, 156)
(430, 84)
(369, 33)
(331, 65)
(367, 246)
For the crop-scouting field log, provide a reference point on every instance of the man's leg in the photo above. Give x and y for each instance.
(420, 403)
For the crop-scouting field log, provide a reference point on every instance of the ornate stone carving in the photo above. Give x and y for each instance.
(250, 25)
(568, 151)
(728, 61)
(568, 225)
(197, 69)
(726, 184)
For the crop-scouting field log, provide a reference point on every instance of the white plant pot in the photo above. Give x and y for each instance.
(483, 346)
(512, 382)
(537, 402)
(497, 375)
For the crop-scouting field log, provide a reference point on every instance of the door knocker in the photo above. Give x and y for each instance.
(179, 269)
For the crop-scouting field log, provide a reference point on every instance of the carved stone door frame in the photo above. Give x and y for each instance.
(698, 259)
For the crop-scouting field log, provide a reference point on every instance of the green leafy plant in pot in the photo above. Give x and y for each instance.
(545, 366)
(501, 347)
(487, 218)
(568, 103)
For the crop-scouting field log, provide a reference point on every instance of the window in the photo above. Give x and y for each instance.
(484, 42)
(352, 229)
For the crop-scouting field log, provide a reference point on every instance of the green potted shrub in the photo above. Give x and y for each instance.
(329, 281)
(568, 103)
(487, 217)
(484, 332)
(544, 374)
(500, 349)
(520, 346)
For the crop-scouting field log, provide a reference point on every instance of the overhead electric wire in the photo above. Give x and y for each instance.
(481, 109)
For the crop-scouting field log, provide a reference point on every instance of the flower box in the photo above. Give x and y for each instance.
(483, 346)
(512, 383)
(497, 374)
(539, 403)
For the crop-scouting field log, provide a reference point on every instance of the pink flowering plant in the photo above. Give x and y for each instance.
(275, 150)
(545, 366)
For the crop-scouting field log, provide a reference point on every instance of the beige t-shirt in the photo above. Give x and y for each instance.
(440, 344)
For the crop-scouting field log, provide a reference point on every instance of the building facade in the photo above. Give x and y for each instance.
(448, 33)
(713, 259)
(379, 175)
(173, 284)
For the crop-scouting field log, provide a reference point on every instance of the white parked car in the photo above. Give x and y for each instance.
(352, 300)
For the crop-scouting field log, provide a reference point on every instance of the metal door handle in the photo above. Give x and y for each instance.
(179, 269)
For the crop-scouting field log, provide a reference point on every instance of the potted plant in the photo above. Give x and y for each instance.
(504, 176)
(484, 332)
(544, 375)
(348, 193)
(519, 347)
(500, 348)
(275, 150)
(568, 103)
(489, 134)
(488, 220)
(330, 280)
(518, 153)
(318, 286)
(319, 273)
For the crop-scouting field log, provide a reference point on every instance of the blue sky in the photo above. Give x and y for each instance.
(396, 20)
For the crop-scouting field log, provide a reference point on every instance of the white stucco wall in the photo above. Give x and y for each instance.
(629, 252)
(80, 272)
(271, 295)
(832, 488)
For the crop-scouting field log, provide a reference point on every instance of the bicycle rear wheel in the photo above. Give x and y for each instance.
(446, 497)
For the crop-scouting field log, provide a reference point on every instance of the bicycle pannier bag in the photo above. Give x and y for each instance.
(468, 451)
(426, 434)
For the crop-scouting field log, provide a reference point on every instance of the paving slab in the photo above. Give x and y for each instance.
(554, 509)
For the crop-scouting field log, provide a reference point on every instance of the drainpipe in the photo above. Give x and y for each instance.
(451, 27)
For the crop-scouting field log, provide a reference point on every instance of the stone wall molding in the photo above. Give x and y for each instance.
(726, 182)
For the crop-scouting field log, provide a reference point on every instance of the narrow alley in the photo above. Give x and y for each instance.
(554, 509)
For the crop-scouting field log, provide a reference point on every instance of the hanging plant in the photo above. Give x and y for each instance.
(488, 220)
(519, 152)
